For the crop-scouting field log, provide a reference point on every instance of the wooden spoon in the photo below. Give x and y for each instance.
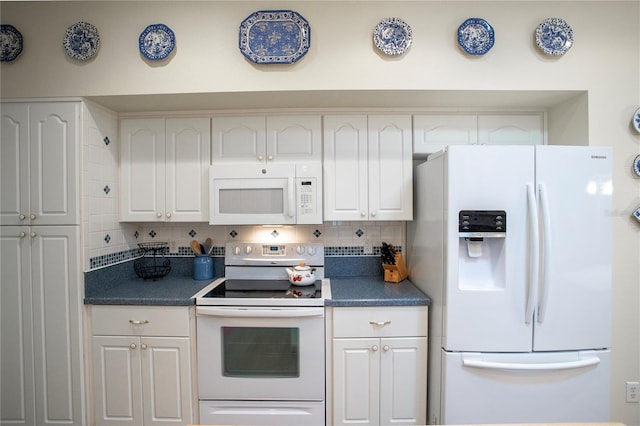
(195, 246)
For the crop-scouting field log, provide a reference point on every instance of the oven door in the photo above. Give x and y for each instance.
(260, 353)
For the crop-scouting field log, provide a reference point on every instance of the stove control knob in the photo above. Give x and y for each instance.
(312, 251)
(300, 249)
(248, 249)
(237, 251)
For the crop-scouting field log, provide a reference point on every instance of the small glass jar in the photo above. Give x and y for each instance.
(202, 267)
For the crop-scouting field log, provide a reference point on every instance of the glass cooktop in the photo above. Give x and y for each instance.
(263, 289)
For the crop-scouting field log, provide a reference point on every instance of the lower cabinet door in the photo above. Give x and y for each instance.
(166, 380)
(403, 381)
(117, 380)
(142, 380)
(356, 381)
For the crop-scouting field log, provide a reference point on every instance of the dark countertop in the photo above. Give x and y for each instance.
(168, 291)
(119, 285)
(374, 291)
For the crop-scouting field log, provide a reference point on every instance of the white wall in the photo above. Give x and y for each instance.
(604, 62)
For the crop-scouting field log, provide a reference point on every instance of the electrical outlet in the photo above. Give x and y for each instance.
(632, 391)
(368, 247)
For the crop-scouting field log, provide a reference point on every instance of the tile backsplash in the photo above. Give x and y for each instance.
(339, 238)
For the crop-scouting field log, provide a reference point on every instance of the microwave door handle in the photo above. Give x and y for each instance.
(292, 198)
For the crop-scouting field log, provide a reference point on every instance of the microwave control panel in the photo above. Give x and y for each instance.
(307, 200)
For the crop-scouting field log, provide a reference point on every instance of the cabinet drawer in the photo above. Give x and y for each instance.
(379, 321)
(140, 320)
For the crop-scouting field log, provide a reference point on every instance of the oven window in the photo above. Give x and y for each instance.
(260, 352)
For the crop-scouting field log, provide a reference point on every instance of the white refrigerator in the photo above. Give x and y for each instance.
(513, 245)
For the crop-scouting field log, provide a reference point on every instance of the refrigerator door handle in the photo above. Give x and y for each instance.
(546, 252)
(535, 253)
(492, 365)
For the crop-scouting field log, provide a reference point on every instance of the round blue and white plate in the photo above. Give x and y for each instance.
(81, 41)
(636, 165)
(392, 36)
(476, 36)
(156, 42)
(554, 36)
(636, 120)
(10, 43)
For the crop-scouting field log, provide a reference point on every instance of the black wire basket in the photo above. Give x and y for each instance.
(152, 265)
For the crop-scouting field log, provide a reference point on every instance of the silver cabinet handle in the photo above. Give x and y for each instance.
(132, 346)
(386, 348)
(373, 213)
(374, 348)
(32, 234)
(143, 346)
(260, 157)
(168, 215)
(363, 213)
(32, 216)
(270, 157)
(22, 234)
(139, 322)
(22, 216)
(381, 323)
(159, 215)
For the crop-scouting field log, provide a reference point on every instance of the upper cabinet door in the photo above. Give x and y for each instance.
(238, 139)
(431, 133)
(390, 168)
(294, 139)
(511, 129)
(14, 164)
(188, 155)
(55, 181)
(142, 170)
(345, 168)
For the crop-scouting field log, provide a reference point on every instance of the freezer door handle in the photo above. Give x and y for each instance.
(493, 365)
(535, 253)
(546, 252)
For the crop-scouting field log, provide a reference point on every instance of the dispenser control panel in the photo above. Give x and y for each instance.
(482, 222)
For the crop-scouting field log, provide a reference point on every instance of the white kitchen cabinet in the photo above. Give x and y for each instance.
(380, 365)
(510, 129)
(40, 297)
(433, 132)
(164, 170)
(39, 160)
(267, 139)
(368, 167)
(142, 365)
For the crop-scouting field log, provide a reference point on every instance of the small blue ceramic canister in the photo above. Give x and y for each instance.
(202, 267)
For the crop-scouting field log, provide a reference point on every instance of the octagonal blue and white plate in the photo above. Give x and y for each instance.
(274, 37)
(476, 36)
(636, 165)
(636, 120)
(392, 36)
(81, 41)
(10, 43)
(554, 36)
(156, 42)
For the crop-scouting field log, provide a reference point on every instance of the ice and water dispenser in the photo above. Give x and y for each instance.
(481, 256)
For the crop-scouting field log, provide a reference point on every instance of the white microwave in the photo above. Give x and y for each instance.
(275, 194)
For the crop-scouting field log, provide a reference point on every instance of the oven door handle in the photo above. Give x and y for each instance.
(249, 312)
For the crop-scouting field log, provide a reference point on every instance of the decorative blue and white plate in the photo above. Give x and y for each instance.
(636, 120)
(156, 42)
(392, 36)
(81, 41)
(554, 36)
(476, 36)
(10, 43)
(636, 214)
(274, 37)
(636, 165)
